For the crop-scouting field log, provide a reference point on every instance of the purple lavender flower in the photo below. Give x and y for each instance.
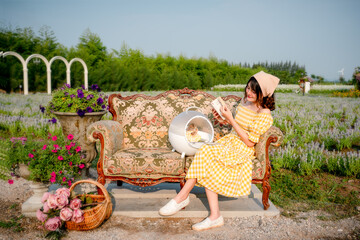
(90, 96)
(72, 95)
(80, 93)
(53, 120)
(89, 109)
(70, 104)
(42, 109)
(99, 101)
(80, 112)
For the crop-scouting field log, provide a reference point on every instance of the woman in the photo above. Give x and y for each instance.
(226, 167)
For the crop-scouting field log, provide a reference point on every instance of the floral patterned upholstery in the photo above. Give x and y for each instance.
(135, 142)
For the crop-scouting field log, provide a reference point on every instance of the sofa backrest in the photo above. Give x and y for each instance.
(146, 119)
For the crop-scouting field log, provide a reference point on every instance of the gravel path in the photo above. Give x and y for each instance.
(305, 225)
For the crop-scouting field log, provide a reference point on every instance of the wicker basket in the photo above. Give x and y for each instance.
(95, 216)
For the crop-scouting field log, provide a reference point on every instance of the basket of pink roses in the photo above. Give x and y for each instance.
(101, 208)
(78, 212)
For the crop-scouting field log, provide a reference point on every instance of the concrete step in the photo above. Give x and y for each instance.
(133, 201)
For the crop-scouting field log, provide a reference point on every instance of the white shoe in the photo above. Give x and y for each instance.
(207, 224)
(172, 207)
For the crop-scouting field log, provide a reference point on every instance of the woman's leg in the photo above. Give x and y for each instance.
(185, 191)
(213, 200)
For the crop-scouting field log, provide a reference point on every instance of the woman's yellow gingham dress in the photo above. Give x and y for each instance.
(226, 168)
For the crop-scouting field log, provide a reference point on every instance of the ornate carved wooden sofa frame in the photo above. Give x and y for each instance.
(135, 148)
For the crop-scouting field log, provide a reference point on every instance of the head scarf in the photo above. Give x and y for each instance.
(267, 82)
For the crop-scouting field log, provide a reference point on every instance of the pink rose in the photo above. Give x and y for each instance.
(66, 214)
(41, 216)
(78, 216)
(63, 191)
(62, 201)
(45, 197)
(53, 223)
(46, 208)
(52, 201)
(75, 203)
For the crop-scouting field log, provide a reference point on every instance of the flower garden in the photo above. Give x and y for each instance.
(322, 136)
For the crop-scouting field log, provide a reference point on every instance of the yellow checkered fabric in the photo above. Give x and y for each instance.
(226, 168)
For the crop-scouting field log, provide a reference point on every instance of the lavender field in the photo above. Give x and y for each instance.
(321, 133)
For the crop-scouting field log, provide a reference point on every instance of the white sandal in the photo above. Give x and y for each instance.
(207, 224)
(172, 207)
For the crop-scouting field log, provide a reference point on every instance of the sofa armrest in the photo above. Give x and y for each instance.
(110, 135)
(271, 138)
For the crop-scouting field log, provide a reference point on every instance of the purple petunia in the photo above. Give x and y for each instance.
(90, 96)
(83, 87)
(99, 101)
(80, 112)
(94, 87)
(67, 85)
(89, 109)
(103, 106)
(70, 104)
(80, 93)
(66, 94)
(42, 109)
(72, 95)
(53, 120)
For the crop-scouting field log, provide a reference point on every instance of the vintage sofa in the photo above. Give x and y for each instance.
(134, 145)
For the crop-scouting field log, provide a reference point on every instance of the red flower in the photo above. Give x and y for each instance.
(10, 181)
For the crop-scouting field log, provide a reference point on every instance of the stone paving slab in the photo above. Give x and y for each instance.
(133, 201)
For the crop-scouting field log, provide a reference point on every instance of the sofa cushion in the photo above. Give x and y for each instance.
(134, 161)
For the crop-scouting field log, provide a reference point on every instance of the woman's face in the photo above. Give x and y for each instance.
(251, 95)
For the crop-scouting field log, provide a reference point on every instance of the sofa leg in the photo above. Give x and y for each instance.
(182, 183)
(265, 196)
(119, 183)
(100, 180)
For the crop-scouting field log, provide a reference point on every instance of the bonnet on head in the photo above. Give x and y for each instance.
(267, 82)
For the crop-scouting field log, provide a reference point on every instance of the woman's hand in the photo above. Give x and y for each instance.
(218, 118)
(225, 111)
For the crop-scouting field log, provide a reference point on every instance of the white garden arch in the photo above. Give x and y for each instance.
(48, 68)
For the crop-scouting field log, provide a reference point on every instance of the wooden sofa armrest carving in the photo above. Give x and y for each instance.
(272, 137)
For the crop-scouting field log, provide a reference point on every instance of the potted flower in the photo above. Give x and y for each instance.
(76, 109)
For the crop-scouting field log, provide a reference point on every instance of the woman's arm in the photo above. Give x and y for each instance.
(230, 119)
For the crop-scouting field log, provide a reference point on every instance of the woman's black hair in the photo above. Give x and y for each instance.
(265, 102)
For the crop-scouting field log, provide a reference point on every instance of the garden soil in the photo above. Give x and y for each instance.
(305, 225)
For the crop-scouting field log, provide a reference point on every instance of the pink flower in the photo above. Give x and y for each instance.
(46, 208)
(61, 201)
(78, 216)
(69, 183)
(53, 223)
(41, 216)
(10, 181)
(63, 191)
(66, 214)
(56, 146)
(64, 179)
(45, 197)
(44, 147)
(54, 151)
(70, 137)
(52, 201)
(78, 149)
(72, 144)
(68, 147)
(70, 163)
(52, 179)
(60, 158)
(54, 138)
(31, 155)
(75, 203)
(81, 166)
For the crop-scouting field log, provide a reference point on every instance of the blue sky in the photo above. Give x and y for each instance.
(322, 35)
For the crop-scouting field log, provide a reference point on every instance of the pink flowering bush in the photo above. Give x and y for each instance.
(57, 209)
(56, 161)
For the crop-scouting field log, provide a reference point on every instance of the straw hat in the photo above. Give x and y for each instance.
(267, 82)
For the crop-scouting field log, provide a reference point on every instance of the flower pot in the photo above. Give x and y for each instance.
(24, 171)
(32, 204)
(72, 123)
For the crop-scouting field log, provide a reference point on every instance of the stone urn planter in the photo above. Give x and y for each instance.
(72, 123)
